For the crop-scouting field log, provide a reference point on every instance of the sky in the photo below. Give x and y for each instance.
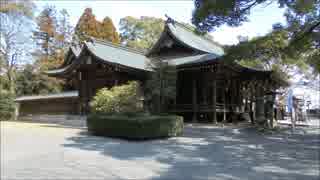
(260, 22)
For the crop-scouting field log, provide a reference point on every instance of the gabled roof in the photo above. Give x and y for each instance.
(108, 53)
(193, 59)
(187, 37)
(117, 54)
(70, 94)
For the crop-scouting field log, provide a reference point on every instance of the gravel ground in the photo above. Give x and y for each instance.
(46, 151)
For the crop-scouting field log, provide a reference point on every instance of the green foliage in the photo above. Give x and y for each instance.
(140, 33)
(124, 98)
(270, 52)
(296, 43)
(314, 61)
(137, 127)
(22, 7)
(31, 81)
(15, 41)
(7, 105)
(88, 26)
(161, 87)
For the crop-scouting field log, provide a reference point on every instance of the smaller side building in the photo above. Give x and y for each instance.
(52, 104)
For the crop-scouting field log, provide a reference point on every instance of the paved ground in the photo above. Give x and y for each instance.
(309, 122)
(42, 151)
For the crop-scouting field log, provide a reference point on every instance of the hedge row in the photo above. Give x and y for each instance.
(135, 126)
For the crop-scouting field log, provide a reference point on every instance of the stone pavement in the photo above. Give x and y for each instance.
(308, 122)
(46, 151)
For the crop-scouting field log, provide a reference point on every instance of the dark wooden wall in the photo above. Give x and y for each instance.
(49, 106)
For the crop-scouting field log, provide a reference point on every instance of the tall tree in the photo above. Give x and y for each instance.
(301, 35)
(140, 33)
(89, 26)
(63, 36)
(46, 34)
(53, 37)
(14, 38)
(64, 29)
(108, 31)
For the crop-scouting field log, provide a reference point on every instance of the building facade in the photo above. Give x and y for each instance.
(208, 88)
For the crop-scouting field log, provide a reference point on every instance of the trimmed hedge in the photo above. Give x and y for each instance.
(135, 126)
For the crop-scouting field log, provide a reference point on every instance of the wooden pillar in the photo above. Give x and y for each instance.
(194, 100)
(270, 111)
(260, 105)
(214, 100)
(204, 89)
(232, 94)
(224, 105)
(252, 105)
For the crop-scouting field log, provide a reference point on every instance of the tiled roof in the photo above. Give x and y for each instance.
(109, 53)
(193, 59)
(190, 38)
(70, 94)
(118, 54)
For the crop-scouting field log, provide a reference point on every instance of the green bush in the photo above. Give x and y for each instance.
(124, 98)
(138, 126)
(7, 105)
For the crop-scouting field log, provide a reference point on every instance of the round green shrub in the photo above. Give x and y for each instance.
(124, 98)
(138, 127)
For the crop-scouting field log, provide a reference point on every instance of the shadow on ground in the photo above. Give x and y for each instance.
(218, 153)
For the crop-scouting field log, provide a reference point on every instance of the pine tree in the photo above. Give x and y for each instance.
(140, 33)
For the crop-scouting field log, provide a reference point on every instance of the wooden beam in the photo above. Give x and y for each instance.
(194, 100)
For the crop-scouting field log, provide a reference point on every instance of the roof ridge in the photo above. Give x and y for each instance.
(109, 43)
(205, 37)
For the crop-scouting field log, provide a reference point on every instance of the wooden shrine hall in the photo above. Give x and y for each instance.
(208, 89)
